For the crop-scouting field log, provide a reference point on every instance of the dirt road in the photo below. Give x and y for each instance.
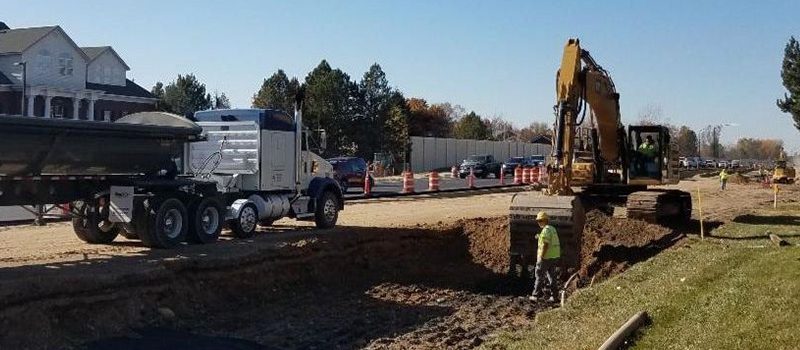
(401, 273)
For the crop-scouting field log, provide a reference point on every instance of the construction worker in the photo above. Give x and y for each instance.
(723, 179)
(648, 153)
(547, 257)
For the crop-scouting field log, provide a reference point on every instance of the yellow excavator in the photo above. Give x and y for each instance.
(783, 173)
(595, 164)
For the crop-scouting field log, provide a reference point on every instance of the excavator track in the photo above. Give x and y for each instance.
(660, 206)
(567, 215)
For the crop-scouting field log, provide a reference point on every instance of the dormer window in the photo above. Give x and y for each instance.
(65, 66)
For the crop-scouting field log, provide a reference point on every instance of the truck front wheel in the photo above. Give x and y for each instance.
(327, 210)
(244, 225)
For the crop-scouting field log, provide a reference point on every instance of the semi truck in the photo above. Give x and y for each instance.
(165, 179)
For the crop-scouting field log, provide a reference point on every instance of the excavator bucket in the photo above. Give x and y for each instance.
(566, 214)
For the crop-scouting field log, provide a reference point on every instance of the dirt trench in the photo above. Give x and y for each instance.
(437, 286)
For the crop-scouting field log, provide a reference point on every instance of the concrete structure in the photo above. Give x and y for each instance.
(428, 153)
(63, 80)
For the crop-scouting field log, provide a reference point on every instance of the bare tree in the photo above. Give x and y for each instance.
(651, 114)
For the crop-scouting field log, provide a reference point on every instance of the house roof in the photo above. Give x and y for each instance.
(18, 40)
(4, 80)
(94, 52)
(130, 89)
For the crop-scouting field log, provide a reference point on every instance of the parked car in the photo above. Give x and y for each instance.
(736, 163)
(512, 163)
(536, 160)
(482, 165)
(350, 172)
(710, 163)
(722, 164)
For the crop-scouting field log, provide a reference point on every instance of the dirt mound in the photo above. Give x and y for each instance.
(610, 245)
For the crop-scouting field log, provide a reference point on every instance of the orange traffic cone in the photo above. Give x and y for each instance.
(454, 171)
(518, 175)
(471, 178)
(408, 182)
(534, 175)
(502, 175)
(367, 185)
(433, 182)
(526, 175)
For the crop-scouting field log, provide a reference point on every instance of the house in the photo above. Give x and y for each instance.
(63, 80)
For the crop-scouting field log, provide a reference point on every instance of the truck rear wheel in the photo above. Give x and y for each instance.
(206, 221)
(244, 225)
(327, 210)
(89, 226)
(166, 223)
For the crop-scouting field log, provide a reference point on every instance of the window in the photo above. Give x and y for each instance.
(65, 65)
(107, 116)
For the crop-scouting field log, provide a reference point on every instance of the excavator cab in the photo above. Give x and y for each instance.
(651, 156)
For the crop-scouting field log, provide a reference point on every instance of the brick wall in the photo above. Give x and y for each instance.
(119, 108)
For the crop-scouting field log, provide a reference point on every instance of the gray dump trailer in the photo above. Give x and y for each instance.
(164, 179)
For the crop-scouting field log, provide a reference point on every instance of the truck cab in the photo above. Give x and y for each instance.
(262, 164)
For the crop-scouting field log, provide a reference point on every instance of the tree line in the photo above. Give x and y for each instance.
(360, 117)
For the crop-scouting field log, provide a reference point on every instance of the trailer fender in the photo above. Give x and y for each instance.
(319, 185)
(237, 205)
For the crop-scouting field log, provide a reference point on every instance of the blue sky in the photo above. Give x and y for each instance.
(702, 62)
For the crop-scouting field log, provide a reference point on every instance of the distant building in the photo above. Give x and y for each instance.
(64, 80)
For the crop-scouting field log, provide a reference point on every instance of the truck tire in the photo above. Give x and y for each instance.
(244, 225)
(327, 210)
(165, 223)
(206, 221)
(87, 225)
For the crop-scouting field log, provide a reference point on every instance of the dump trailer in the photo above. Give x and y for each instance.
(165, 179)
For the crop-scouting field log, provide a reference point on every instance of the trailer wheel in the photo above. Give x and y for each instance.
(206, 221)
(88, 226)
(244, 226)
(327, 210)
(166, 223)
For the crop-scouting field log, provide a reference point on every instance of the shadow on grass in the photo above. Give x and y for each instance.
(787, 220)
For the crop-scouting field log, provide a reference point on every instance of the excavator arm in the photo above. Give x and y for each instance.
(580, 82)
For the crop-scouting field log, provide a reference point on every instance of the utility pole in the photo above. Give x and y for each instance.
(24, 66)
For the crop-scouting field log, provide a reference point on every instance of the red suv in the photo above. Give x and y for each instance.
(350, 172)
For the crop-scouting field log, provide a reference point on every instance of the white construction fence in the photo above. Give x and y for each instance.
(428, 153)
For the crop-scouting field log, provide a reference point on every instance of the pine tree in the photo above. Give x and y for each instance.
(376, 94)
(329, 104)
(472, 127)
(277, 92)
(791, 80)
(186, 95)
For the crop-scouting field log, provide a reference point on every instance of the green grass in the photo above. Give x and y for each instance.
(734, 290)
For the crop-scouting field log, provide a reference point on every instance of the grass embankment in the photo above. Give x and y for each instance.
(734, 290)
